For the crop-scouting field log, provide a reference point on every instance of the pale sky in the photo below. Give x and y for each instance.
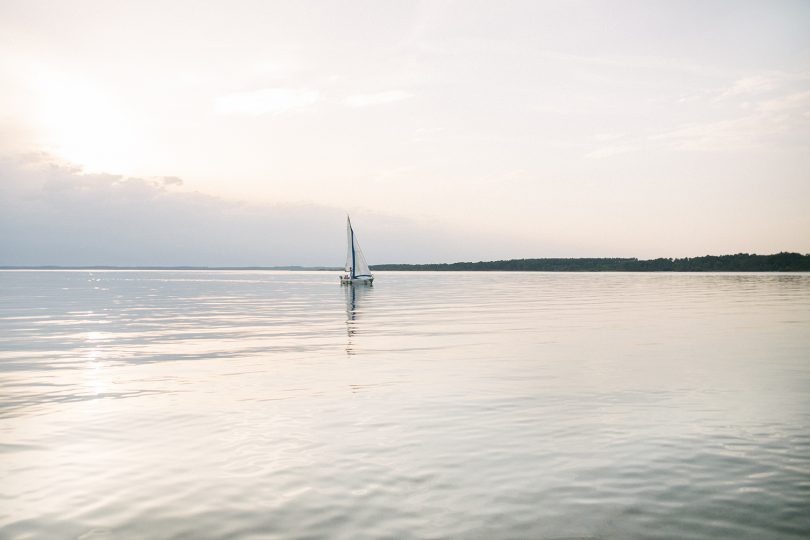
(240, 133)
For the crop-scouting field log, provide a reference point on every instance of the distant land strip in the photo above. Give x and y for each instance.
(741, 262)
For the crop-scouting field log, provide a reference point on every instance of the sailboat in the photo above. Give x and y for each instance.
(357, 270)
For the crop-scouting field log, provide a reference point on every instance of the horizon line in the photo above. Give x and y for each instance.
(292, 267)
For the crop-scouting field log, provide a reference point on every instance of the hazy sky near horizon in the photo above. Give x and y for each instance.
(241, 132)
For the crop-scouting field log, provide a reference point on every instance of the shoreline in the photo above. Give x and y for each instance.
(740, 262)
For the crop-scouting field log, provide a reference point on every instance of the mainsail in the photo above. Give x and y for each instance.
(349, 243)
(356, 265)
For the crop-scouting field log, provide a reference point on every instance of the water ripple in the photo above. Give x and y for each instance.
(197, 404)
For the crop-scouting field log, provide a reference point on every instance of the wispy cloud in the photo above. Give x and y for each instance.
(751, 112)
(798, 102)
(378, 98)
(762, 121)
(747, 86)
(760, 84)
(735, 134)
(266, 101)
(611, 150)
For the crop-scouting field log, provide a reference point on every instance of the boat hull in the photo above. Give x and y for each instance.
(356, 281)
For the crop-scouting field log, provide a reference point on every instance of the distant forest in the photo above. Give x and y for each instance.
(741, 262)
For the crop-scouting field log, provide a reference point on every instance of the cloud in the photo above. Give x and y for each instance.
(757, 85)
(171, 181)
(769, 111)
(735, 134)
(748, 132)
(379, 98)
(752, 85)
(266, 101)
(610, 151)
(780, 119)
(52, 213)
(798, 102)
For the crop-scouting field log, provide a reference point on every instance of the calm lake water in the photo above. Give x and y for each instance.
(214, 404)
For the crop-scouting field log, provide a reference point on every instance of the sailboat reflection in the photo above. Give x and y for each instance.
(354, 297)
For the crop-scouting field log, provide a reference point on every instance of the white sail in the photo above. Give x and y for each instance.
(349, 263)
(360, 265)
(356, 265)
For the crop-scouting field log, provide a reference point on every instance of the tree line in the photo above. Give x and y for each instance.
(741, 262)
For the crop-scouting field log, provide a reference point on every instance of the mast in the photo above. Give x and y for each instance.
(354, 264)
(349, 260)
